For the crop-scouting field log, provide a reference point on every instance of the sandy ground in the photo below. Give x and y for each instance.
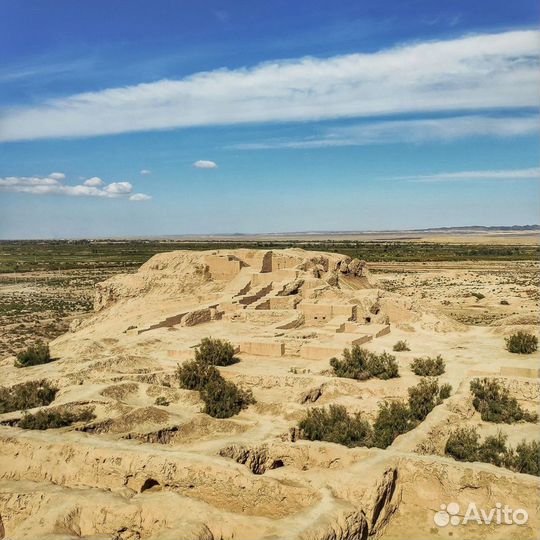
(452, 236)
(41, 305)
(141, 470)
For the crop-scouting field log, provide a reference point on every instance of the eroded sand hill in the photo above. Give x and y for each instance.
(140, 470)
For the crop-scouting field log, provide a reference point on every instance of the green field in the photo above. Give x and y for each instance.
(26, 256)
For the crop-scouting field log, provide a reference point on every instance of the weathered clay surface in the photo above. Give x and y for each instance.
(142, 470)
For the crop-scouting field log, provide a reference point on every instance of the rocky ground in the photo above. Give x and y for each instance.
(475, 293)
(145, 470)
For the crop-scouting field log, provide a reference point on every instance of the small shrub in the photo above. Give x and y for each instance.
(478, 296)
(383, 366)
(463, 444)
(215, 352)
(223, 399)
(54, 419)
(526, 458)
(493, 450)
(401, 346)
(444, 391)
(522, 343)
(353, 365)
(504, 303)
(393, 419)
(494, 403)
(335, 425)
(428, 367)
(162, 401)
(26, 396)
(423, 397)
(195, 375)
(34, 355)
(361, 364)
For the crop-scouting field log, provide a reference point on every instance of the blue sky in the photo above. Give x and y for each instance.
(166, 117)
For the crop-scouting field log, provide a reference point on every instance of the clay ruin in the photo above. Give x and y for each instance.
(142, 470)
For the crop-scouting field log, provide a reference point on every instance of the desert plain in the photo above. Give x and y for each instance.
(150, 463)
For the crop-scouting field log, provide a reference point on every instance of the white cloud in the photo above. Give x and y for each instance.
(94, 182)
(411, 131)
(27, 182)
(145, 172)
(93, 187)
(139, 197)
(57, 175)
(119, 188)
(532, 173)
(483, 71)
(205, 164)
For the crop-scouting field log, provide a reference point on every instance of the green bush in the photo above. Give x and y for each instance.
(195, 375)
(493, 450)
(382, 366)
(401, 346)
(162, 401)
(444, 391)
(335, 425)
(361, 364)
(522, 343)
(223, 399)
(425, 396)
(526, 458)
(464, 445)
(34, 355)
(393, 419)
(215, 352)
(26, 396)
(428, 367)
(494, 403)
(353, 365)
(45, 419)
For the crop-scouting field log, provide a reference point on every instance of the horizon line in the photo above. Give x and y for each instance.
(246, 236)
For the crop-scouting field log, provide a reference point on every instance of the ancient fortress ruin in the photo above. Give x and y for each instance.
(142, 469)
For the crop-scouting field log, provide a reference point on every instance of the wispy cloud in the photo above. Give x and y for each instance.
(139, 197)
(412, 131)
(145, 172)
(473, 72)
(205, 164)
(532, 173)
(43, 69)
(52, 185)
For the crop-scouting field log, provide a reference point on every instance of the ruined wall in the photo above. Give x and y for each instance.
(326, 312)
(263, 347)
(223, 267)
